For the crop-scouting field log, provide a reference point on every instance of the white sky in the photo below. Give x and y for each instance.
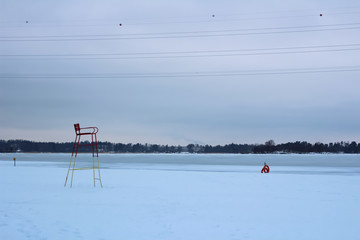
(255, 70)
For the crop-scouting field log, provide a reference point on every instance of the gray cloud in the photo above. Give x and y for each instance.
(177, 110)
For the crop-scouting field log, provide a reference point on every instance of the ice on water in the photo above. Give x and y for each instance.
(181, 196)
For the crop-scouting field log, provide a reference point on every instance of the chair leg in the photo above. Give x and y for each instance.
(99, 172)
(72, 155)
(98, 162)
(67, 175)
(93, 155)
(72, 174)
(94, 170)
(76, 151)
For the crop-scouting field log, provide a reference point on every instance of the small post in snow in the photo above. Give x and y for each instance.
(14, 162)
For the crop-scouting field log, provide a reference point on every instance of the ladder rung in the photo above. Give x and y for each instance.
(85, 168)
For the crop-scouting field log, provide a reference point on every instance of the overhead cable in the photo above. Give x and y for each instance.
(184, 74)
(189, 34)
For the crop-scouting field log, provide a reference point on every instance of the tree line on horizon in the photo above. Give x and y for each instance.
(9, 146)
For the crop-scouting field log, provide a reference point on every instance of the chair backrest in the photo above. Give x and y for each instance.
(77, 128)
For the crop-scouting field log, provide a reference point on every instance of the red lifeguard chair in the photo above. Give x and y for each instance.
(92, 131)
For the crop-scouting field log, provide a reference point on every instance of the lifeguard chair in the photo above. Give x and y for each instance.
(92, 131)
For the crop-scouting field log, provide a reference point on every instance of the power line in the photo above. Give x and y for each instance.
(185, 74)
(120, 57)
(189, 34)
(190, 54)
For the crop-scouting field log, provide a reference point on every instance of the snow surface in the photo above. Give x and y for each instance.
(183, 196)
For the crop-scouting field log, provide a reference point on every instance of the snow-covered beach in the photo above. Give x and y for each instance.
(183, 196)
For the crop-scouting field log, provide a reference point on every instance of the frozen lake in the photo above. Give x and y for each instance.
(181, 196)
(299, 163)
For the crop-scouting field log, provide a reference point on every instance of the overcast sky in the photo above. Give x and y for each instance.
(180, 72)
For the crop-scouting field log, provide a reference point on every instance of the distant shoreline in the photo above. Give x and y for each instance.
(187, 153)
(269, 147)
